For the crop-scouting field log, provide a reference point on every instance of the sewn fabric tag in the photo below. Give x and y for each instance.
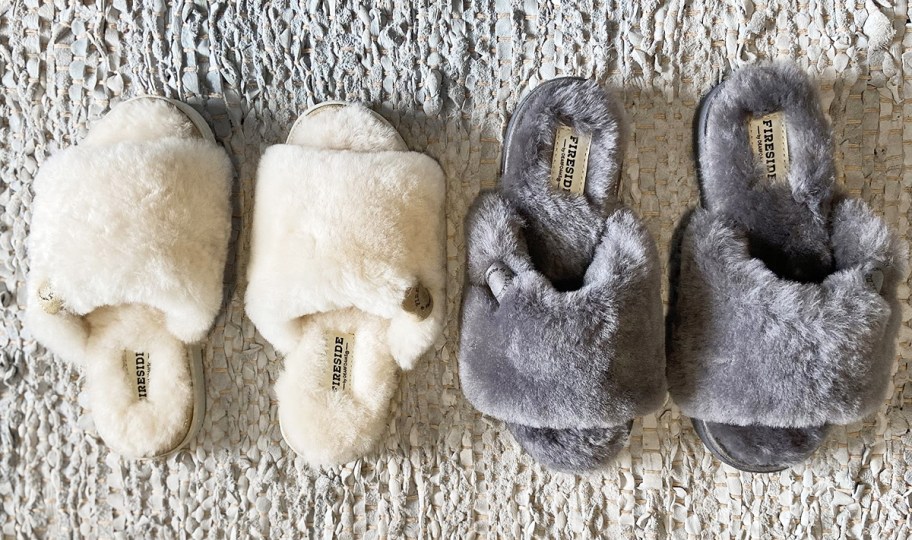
(418, 301)
(768, 136)
(570, 160)
(136, 364)
(340, 347)
(875, 280)
(499, 278)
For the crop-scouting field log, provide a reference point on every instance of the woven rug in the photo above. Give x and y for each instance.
(447, 75)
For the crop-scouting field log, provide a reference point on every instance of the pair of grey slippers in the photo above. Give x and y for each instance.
(783, 308)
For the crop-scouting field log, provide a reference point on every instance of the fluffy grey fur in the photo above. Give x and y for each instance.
(574, 348)
(772, 322)
(750, 347)
(563, 230)
(790, 232)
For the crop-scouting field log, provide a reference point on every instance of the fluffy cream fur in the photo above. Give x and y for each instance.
(130, 426)
(136, 215)
(327, 427)
(337, 126)
(338, 238)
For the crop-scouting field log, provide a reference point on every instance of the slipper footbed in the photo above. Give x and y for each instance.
(138, 381)
(331, 416)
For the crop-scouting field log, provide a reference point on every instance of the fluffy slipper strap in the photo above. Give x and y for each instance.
(142, 222)
(545, 358)
(751, 348)
(336, 229)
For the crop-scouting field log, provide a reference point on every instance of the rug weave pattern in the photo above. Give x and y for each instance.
(447, 75)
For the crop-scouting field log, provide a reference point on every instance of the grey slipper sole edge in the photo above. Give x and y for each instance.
(722, 439)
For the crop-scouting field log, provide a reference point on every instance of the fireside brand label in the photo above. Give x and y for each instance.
(570, 160)
(769, 143)
(418, 301)
(339, 349)
(137, 366)
(499, 278)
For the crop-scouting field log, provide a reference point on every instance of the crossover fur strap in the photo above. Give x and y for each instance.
(751, 348)
(541, 357)
(131, 222)
(336, 229)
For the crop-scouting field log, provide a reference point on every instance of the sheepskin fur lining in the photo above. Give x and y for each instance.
(586, 108)
(130, 234)
(788, 221)
(134, 222)
(329, 427)
(130, 426)
(339, 237)
(753, 348)
(573, 349)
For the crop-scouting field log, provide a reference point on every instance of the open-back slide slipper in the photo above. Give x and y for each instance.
(784, 308)
(562, 331)
(128, 241)
(346, 275)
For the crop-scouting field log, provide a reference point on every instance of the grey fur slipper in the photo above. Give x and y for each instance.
(784, 310)
(562, 317)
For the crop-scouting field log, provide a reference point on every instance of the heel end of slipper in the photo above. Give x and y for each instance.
(572, 450)
(325, 450)
(760, 449)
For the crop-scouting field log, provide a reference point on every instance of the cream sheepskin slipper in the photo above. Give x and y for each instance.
(129, 236)
(346, 274)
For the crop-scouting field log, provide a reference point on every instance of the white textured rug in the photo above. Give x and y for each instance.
(447, 75)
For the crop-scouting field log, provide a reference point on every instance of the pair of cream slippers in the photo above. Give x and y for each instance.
(128, 245)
